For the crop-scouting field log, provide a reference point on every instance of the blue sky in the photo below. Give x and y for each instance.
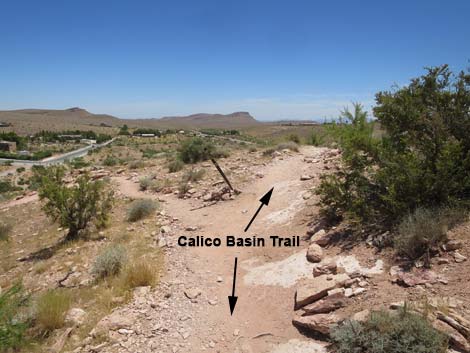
(276, 59)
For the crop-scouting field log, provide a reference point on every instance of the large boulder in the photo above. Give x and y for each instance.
(314, 253)
(316, 288)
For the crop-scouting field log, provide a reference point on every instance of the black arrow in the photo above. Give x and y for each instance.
(264, 201)
(232, 299)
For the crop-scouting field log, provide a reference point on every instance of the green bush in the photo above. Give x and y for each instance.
(421, 160)
(7, 186)
(385, 332)
(5, 230)
(198, 149)
(13, 324)
(79, 163)
(74, 207)
(110, 161)
(424, 230)
(109, 262)
(140, 209)
(51, 309)
(294, 138)
(175, 166)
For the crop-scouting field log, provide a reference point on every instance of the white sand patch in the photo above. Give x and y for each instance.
(288, 213)
(284, 273)
(297, 346)
(352, 265)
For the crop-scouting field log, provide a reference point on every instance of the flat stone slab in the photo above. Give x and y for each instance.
(316, 288)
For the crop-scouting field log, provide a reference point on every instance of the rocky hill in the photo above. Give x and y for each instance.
(27, 121)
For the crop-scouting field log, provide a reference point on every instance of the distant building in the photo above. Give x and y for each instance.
(2, 124)
(88, 141)
(71, 137)
(147, 135)
(7, 146)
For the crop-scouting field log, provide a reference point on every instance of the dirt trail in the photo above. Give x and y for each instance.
(266, 275)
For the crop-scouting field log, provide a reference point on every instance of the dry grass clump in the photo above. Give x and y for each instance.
(5, 230)
(424, 230)
(140, 274)
(51, 309)
(140, 209)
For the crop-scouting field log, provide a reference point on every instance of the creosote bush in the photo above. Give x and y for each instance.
(51, 309)
(74, 207)
(140, 209)
(198, 149)
(109, 262)
(385, 332)
(13, 324)
(139, 274)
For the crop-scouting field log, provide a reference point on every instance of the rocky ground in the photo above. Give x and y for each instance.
(286, 294)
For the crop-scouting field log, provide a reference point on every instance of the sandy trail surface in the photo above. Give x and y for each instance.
(267, 275)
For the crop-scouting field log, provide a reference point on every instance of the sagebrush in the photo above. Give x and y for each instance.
(140, 209)
(109, 262)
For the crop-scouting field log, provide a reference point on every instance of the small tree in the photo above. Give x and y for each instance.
(75, 206)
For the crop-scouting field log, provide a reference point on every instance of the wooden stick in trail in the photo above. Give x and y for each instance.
(223, 175)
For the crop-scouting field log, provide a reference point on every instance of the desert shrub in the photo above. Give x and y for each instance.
(149, 153)
(424, 230)
(7, 186)
(51, 309)
(78, 163)
(136, 164)
(290, 145)
(252, 149)
(75, 207)
(269, 151)
(175, 165)
(193, 175)
(385, 332)
(20, 169)
(421, 160)
(198, 149)
(146, 183)
(294, 138)
(140, 273)
(13, 324)
(109, 262)
(183, 188)
(140, 209)
(316, 138)
(110, 161)
(5, 230)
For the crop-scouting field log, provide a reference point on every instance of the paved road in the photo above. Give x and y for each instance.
(56, 159)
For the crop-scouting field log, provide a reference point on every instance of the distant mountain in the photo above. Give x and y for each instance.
(203, 120)
(29, 121)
